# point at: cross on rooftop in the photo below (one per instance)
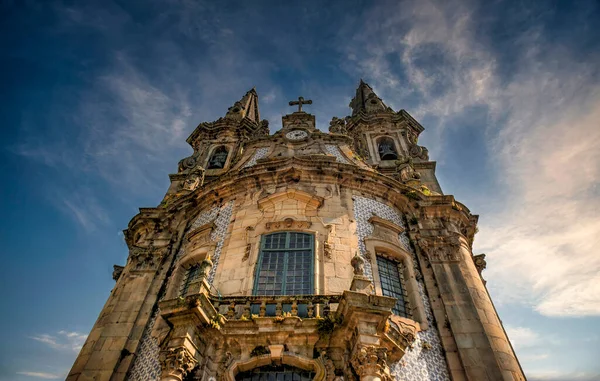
(300, 102)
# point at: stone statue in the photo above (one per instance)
(337, 126)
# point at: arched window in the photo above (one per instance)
(275, 372)
(285, 264)
(190, 276)
(387, 149)
(218, 158)
(392, 284)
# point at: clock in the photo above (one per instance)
(296, 135)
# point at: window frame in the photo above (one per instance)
(286, 250)
(398, 266)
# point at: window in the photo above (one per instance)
(275, 373)
(390, 276)
(285, 264)
(190, 276)
(218, 158)
(387, 149)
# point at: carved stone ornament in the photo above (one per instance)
(327, 250)
(405, 170)
(247, 252)
(480, 262)
(288, 223)
(386, 230)
(117, 271)
(145, 259)
(358, 264)
(419, 152)
(337, 126)
(441, 248)
(177, 362)
(187, 163)
(193, 180)
(329, 367)
(370, 362)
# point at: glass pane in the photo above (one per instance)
(389, 275)
(298, 272)
(270, 281)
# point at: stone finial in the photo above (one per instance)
(205, 267)
(359, 264)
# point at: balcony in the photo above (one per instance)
(248, 331)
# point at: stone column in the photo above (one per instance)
(481, 342)
(181, 354)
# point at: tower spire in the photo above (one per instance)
(247, 107)
(366, 100)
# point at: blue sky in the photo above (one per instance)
(98, 98)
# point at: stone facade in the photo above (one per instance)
(185, 306)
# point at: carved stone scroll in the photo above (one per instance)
(288, 223)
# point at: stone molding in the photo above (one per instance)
(386, 230)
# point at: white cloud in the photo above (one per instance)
(543, 244)
(48, 376)
(64, 340)
(522, 337)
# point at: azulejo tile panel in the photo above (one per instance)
(260, 153)
(334, 150)
(146, 366)
(418, 364)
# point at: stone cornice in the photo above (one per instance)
(312, 168)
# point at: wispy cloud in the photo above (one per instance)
(542, 138)
(48, 376)
(64, 340)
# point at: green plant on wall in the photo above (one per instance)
(260, 350)
(328, 324)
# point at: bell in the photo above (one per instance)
(218, 160)
(386, 152)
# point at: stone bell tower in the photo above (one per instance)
(301, 255)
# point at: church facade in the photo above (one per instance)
(301, 255)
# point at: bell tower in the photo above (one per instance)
(301, 255)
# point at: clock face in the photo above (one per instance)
(296, 135)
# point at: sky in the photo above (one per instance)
(98, 97)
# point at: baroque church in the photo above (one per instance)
(302, 255)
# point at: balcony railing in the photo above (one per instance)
(305, 306)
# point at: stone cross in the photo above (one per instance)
(300, 102)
